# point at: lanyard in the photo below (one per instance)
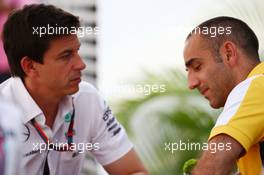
(69, 135)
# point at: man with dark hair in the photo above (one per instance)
(7, 6)
(225, 67)
(63, 116)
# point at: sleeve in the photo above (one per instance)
(111, 137)
(10, 137)
(243, 114)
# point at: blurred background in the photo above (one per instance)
(135, 60)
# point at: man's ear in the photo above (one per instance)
(29, 66)
(228, 51)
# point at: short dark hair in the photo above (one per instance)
(20, 40)
(241, 34)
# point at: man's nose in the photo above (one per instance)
(193, 82)
(80, 63)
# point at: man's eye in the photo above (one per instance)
(197, 67)
(66, 56)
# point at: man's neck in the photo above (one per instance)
(47, 101)
(244, 70)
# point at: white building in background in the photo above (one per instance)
(86, 10)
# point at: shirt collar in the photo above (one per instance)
(259, 69)
(30, 108)
(65, 109)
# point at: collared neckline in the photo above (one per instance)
(29, 107)
(65, 107)
(259, 69)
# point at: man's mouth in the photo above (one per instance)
(203, 91)
(76, 79)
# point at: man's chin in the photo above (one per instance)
(215, 105)
(73, 90)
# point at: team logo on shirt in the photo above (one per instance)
(67, 117)
(26, 133)
(111, 123)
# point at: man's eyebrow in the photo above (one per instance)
(190, 61)
(69, 50)
(65, 51)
